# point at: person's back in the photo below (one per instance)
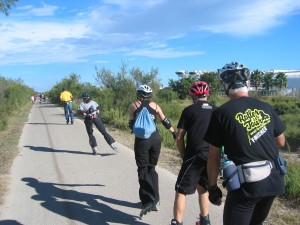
(192, 176)
(147, 150)
(249, 127)
(251, 133)
(66, 98)
(197, 118)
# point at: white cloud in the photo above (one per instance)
(44, 10)
(164, 53)
(144, 28)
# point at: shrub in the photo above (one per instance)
(292, 181)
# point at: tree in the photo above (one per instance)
(281, 80)
(6, 5)
(181, 87)
(140, 77)
(268, 81)
(256, 79)
(105, 78)
(212, 79)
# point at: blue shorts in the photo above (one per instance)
(193, 171)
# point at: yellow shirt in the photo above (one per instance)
(66, 96)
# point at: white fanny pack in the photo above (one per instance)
(254, 171)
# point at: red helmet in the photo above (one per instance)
(199, 89)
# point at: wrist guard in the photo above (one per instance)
(166, 122)
(215, 195)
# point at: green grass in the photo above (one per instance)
(292, 181)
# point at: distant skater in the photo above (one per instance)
(90, 109)
(66, 98)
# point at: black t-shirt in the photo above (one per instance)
(246, 127)
(195, 119)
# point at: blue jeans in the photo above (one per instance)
(68, 111)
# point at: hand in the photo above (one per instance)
(174, 135)
(215, 195)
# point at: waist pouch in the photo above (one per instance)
(280, 164)
(254, 171)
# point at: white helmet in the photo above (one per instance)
(144, 90)
(234, 73)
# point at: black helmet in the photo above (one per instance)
(234, 74)
(85, 95)
(64, 88)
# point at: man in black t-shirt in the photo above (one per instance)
(251, 132)
(193, 173)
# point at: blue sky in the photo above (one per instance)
(43, 42)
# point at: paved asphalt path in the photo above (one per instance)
(55, 179)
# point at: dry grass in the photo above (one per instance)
(9, 140)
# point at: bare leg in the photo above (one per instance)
(203, 201)
(179, 206)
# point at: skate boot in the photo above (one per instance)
(204, 220)
(175, 222)
(145, 209)
(114, 147)
(94, 150)
(155, 206)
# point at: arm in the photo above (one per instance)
(213, 164)
(165, 121)
(280, 140)
(131, 110)
(180, 142)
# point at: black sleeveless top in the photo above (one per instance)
(153, 113)
(150, 109)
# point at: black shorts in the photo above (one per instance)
(193, 171)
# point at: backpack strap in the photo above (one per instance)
(136, 105)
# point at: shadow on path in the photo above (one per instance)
(86, 208)
(10, 222)
(46, 149)
(48, 124)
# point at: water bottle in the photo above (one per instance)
(228, 169)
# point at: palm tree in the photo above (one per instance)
(281, 80)
(268, 81)
(256, 79)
